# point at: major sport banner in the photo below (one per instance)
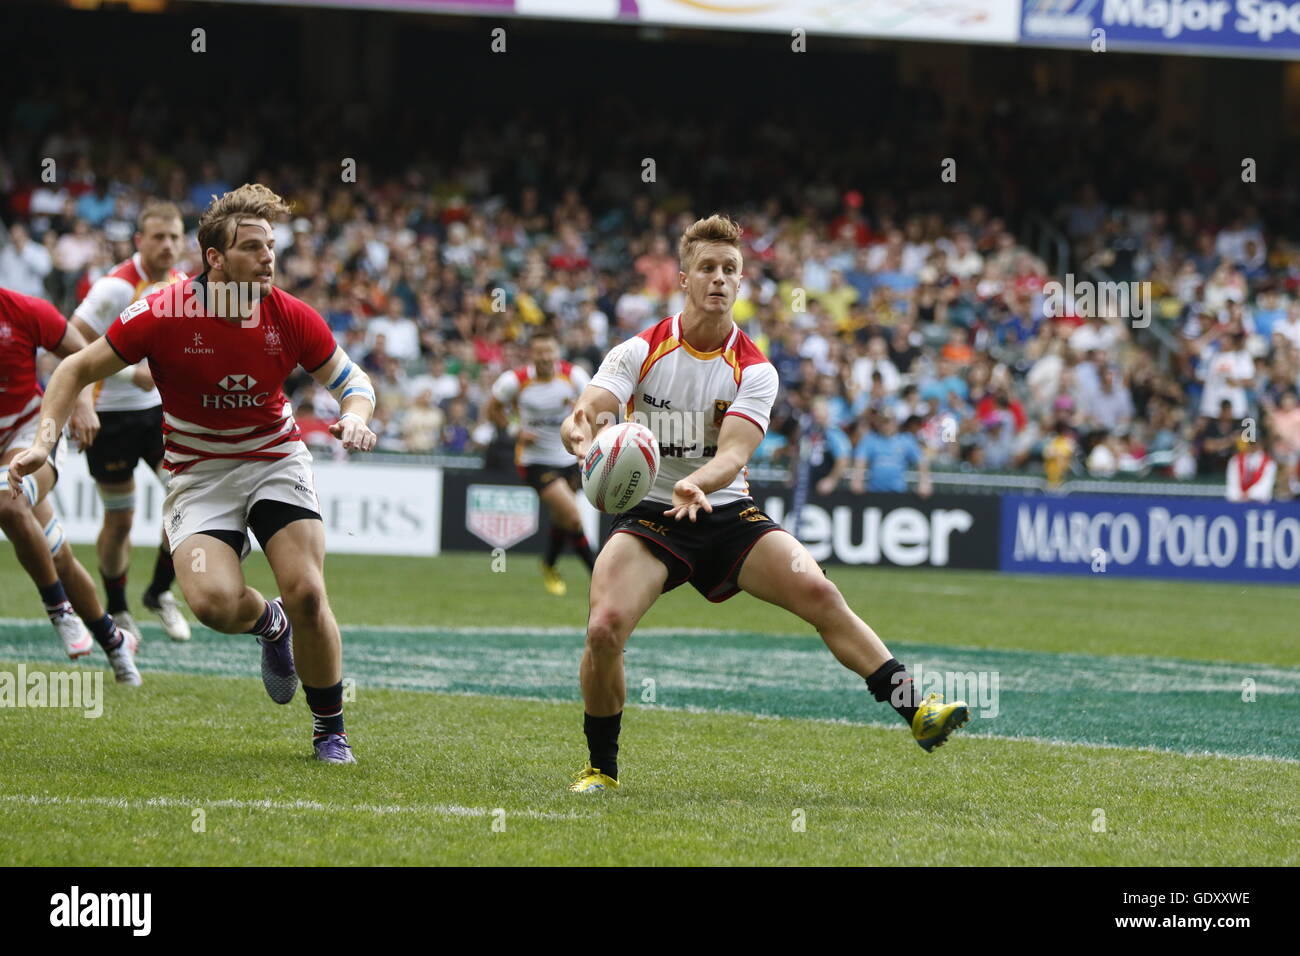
(1152, 537)
(966, 21)
(367, 508)
(1251, 28)
(942, 531)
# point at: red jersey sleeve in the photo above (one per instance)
(50, 325)
(315, 340)
(130, 332)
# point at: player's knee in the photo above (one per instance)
(117, 524)
(12, 510)
(215, 607)
(305, 601)
(607, 631)
(820, 598)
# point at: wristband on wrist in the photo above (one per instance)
(352, 415)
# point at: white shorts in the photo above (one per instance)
(219, 497)
(25, 437)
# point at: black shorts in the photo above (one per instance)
(539, 476)
(709, 553)
(124, 439)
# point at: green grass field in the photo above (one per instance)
(1118, 703)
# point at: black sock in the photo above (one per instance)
(53, 596)
(106, 633)
(553, 547)
(271, 624)
(326, 705)
(602, 742)
(164, 573)
(579, 541)
(115, 591)
(892, 683)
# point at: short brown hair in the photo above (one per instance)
(157, 209)
(717, 228)
(219, 221)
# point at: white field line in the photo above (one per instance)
(281, 806)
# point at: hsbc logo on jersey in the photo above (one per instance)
(238, 393)
(237, 383)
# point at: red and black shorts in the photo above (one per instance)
(708, 553)
(539, 476)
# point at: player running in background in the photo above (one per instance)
(699, 523)
(542, 392)
(130, 418)
(220, 346)
(28, 520)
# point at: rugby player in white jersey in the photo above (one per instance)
(235, 454)
(542, 392)
(707, 392)
(130, 418)
(28, 324)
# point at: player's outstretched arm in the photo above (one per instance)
(81, 367)
(737, 439)
(83, 424)
(351, 387)
(595, 409)
(138, 375)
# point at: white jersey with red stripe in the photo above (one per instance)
(222, 381)
(107, 299)
(683, 395)
(543, 404)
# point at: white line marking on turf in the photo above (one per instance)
(290, 806)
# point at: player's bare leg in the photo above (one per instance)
(66, 589)
(214, 587)
(566, 528)
(21, 528)
(297, 556)
(158, 596)
(626, 581)
(780, 571)
(77, 582)
(113, 548)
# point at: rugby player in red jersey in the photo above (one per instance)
(130, 418)
(719, 388)
(27, 519)
(220, 346)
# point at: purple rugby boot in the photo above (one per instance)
(333, 748)
(278, 676)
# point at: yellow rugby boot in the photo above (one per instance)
(592, 780)
(935, 720)
(554, 583)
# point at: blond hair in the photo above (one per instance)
(717, 228)
(219, 221)
(157, 209)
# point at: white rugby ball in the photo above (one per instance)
(620, 467)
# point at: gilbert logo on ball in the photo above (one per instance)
(620, 467)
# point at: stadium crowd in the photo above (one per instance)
(906, 335)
